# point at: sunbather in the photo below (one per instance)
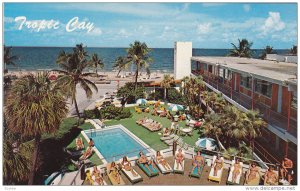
(87, 153)
(160, 159)
(218, 165)
(179, 157)
(79, 143)
(91, 142)
(88, 177)
(252, 173)
(98, 176)
(236, 169)
(198, 162)
(127, 166)
(114, 171)
(166, 132)
(143, 160)
(271, 177)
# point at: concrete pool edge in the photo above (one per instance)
(129, 133)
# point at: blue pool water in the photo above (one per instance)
(115, 143)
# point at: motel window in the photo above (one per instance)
(263, 87)
(204, 66)
(246, 81)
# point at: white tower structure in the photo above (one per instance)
(182, 59)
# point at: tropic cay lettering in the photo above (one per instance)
(38, 25)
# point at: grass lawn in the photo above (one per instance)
(151, 138)
(94, 158)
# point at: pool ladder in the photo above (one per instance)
(93, 132)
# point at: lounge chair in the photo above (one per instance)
(266, 184)
(129, 175)
(92, 180)
(195, 172)
(145, 169)
(219, 173)
(254, 182)
(179, 170)
(138, 110)
(238, 178)
(111, 178)
(162, 169)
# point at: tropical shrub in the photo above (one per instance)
(129, 95)
(175, 96)
(112, 112)
(92, 114)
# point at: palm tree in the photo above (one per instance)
(138, 54)
(166, 83)
(242, 50)
(95, 62)
(267, 50)
(16, 159)
(34, 107)
(120, 64)
(73, 65)
(9, 59)
(294, 50)
(254, 125)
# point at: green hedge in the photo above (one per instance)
(109, 112)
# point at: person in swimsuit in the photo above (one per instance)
(179, 157)
(166, 132)
(87, 153)
(114, 172)
(198, 162)
(79, 144)
(286, 168)
(271, 177)
(143, 160)
(236, 169)
(252, 173)
(91, 142)
(98, 176)
(160, 160)
(127, 166)
(218, 165)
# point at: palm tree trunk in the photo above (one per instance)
(119, 72)
(136, 78)
(37, 140)
(165, 94)
(96, 71)
(76, 107)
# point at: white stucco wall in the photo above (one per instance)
(282, 58)
(182, 59)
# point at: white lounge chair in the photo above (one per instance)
(180, 169)
(219, 173)
(129, 175)
(162, 169)
(238, 178)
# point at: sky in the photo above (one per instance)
(206, 25)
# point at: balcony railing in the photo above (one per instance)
(272, 117)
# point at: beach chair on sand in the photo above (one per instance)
(111, 178)
(177, 168)
(129, 175)
(162, 169)
(219, 173)
(195, 173)
(255, 181)
(238, 178)
(145, 169)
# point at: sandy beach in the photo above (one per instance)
(107, 81)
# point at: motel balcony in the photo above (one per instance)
(278, 121)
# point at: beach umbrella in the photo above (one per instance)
(175, 107)
(141, 101)
(206, 143)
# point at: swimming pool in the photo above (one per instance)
(115, 142)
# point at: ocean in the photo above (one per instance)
(43, 58)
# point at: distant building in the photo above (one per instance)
(270, 86)
(282, 58)
(182, 59)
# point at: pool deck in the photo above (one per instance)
(176, 179)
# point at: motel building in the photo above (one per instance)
(251, 84)
(269, 86)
